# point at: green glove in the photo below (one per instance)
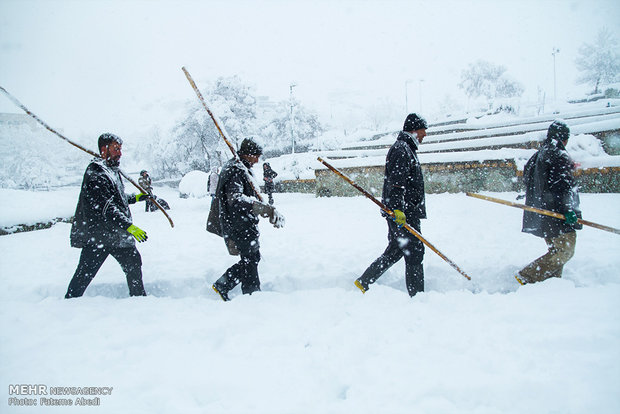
(143, 197)
(138, 233)
(399, 218)
(571, 217)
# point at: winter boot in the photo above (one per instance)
(361, 286)
(220, 291)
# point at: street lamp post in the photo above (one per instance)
(407, 95)
(421, 80)
(554, 52)
(292, 133)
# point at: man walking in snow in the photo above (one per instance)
(239, 212)
(147, 184)
(268, 176)
(403, 193)
(102, 225)
(212, 182)
(550, 185)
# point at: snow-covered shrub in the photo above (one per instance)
(194, 184)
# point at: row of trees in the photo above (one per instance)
(195, 144)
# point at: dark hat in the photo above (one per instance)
(414, 122)
(142, 172)
(107, 138)
(558, 130)
(250, 147)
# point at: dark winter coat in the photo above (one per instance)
(102, 214)
(268, 176)
(236, 197)
(550, 185)
(146, 184)
(403, 184)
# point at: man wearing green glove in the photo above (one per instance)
(403, 193)
(550, 185)
(102, 225)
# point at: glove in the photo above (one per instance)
(399, 218)
(571, 217)
(262, 209)
(266, 210)
(138, 233)
(277, 219)
(143, 197)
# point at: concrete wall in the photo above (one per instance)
(500, 175)
(295, 186)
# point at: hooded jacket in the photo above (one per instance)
(550, 185)
(102, 215)
(403, 183)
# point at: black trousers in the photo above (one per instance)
(92, 258)
(245, 271)
(401, 243)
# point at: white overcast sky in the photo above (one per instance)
(91, 66)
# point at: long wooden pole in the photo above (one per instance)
(391, 214)
(94, 154)
(543, 212)
(217, 125)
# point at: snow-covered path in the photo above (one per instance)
(311, 342)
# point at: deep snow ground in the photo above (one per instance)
(311, 342)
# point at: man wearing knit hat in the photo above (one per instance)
(238, 215)
(550, 185)
(403, 193)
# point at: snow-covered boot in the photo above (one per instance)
(360, 286)
(220, 291)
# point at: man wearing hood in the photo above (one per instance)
(550, 185)
(102, 225)
(403, 193)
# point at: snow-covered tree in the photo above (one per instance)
(195, 143)
(276, 128)
(599, 63)
(33, 158)
(483, 78)
(234, 104)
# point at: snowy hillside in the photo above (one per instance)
(311, 342)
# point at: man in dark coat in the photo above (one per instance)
(147, 184)
(102, 225)
(550, 185)
(403, 193)
(239, 210)
(268, 176)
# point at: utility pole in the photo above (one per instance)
(421, 80)
(407, 95)
(554, 52)
(292, 132)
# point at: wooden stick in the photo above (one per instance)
(217, 125)
(94, 154)
(391, 214)
(543, 212)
